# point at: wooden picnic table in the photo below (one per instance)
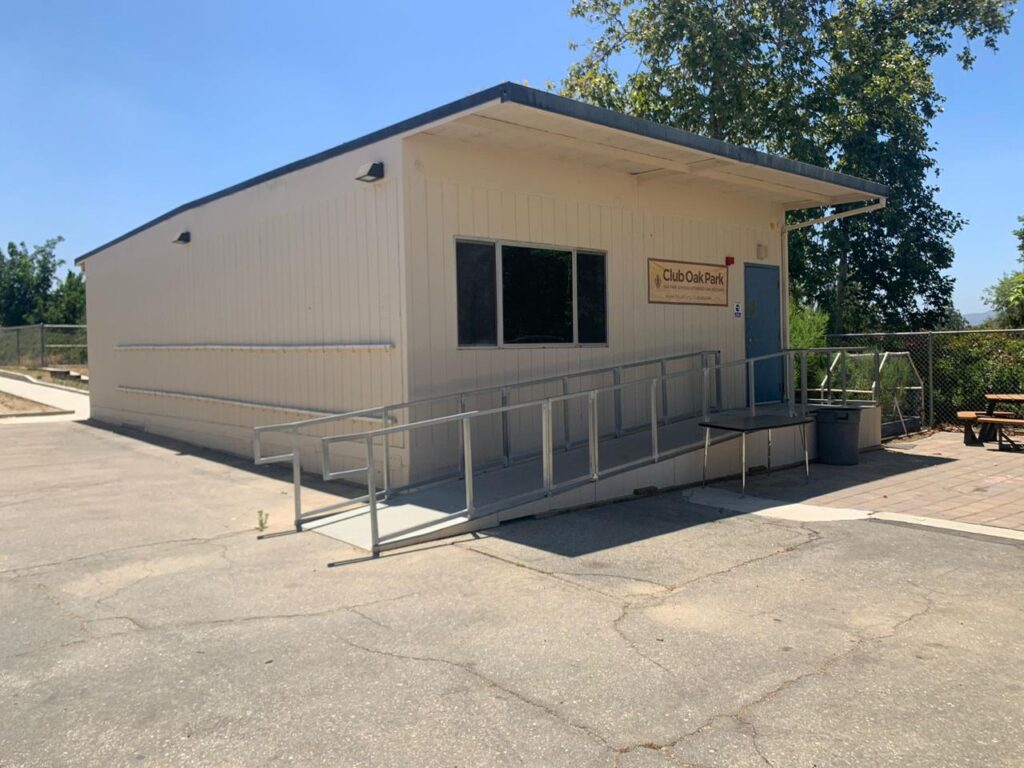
(987, 432)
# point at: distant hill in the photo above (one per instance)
(977, 318)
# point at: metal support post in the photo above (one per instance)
(876, 381)
(547, 457)
(664, 391)
(617, 399)
(371, 490)
(654, 419)
(467, 457)
(387, 455)
(566, 434)
(42, 345)
(844, 373)
(593, 435)
(506, 440)
(803, 383)
(931, 379)
(718, 379)
(751, 390)
(297, 481)
(707, 447)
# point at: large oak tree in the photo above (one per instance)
(845, 84)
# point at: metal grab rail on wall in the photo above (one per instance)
(594, 472)
(386, 414)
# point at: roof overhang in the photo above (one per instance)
(517, 117)
(543, 123)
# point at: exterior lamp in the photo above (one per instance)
(370, 172)
(184, 238)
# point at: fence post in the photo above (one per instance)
(17, 346)
(931, 379)
(42, 345)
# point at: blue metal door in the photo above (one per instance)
(763, 325)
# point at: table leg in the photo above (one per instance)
(769, 452)
(743, 460)
(707, 445)
(987, 432)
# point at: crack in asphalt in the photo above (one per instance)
(23, 570)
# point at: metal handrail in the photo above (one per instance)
(492, 389)
(593, 436)
(384, 412)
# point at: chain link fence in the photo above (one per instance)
(43, 346)
(957, 368)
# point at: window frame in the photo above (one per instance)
(500, 294)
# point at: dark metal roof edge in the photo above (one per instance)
(438, 113)
(550, 102)
(579, 110)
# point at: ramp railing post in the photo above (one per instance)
(718, 379)
(467, 455)
(592, 435)
(371, 490)
(462, 409)
(790, 367)
(547, 459)
(829, 362)
(385, 415)
(297, 481)
(705, 393)
(617, 399)
(566, 433)
(506, 440)
(843, 372)
(876, 381)
(750, 387)
(664, 390)
(654, 419)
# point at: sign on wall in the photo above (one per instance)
(683, 282)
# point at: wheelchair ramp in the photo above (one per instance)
(512, 492)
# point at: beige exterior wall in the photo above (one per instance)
(312, 257)
(455, 189)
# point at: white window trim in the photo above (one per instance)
(500, 291)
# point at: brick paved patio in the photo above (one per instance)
(934, 476)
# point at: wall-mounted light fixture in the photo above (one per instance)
(370, 172)
(184, 238)
(762, 252)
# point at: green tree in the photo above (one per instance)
(29, 290)
(846, 84)
(66, 304)
(1007, 296)
(808, 326)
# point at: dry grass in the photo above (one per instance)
(18, 406)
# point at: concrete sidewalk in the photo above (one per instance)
(64, 399)
(143, 624)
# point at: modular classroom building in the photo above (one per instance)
(509, 236)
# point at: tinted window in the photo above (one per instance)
(536, 295)
(477, 294)
(591, 303)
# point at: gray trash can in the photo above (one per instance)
(838, 435)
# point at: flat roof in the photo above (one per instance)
(553, 104)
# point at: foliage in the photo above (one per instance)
(1007, 296)
(29, 290)
(845, 84)
(808, 325)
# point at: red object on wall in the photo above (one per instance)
(729, 261)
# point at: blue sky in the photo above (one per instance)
(115, 112)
